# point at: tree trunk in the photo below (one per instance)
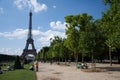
(65, 61)
(69, 59)
(76, 58)
(92, 59)
(93, 65)
(82, 58)
(110, 57)
(58, 60)
(119, 59)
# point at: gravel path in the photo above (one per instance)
(57, 72)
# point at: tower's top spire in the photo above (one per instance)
(30, 13)
(30, 25)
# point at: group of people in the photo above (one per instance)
(1, 70)
(8, 68)
(34, 66)
(82, 65)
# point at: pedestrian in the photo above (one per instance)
(36, 65)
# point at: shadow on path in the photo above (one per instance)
(110, 68)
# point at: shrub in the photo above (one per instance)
(17, 64)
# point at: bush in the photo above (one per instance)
(17, 64)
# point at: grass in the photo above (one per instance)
(20, 74)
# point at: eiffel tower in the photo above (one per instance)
(29, 41)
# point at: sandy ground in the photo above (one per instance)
(57, 72)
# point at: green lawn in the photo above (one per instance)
(21, 74)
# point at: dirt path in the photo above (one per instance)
(56, 72)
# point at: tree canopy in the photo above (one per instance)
(88, 37)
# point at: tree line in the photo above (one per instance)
(6, 58)
(87, 38)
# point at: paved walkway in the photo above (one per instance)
(56, 72)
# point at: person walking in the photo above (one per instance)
(36, 65)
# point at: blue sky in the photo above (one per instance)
(48, 20)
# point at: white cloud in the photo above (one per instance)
(10, 51)
(1, 10)
(18, 33)
(31, 4)
(45, 36)
(57, 25)
(42, 37)
(54, 6)
(22, 33)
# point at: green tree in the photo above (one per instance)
(75, 31)
(57, 41)
(43, 53)
(111, 23)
